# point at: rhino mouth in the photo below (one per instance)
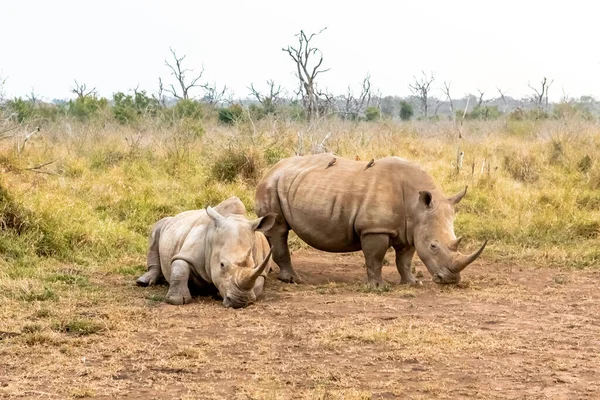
(445, 278)
(237, 301)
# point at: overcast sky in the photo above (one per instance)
(116, 45)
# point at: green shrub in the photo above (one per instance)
(372, 113)
(188, 109)
(87, 107)
(481, 113)
(231, 114)
(24, 109)
(406, 111)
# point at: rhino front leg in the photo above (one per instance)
(404, 256)
(281, 256)
(179, 291)
(374, 247)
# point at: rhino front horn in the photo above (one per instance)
(249, 280)
(462, 262)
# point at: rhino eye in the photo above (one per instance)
(433, 246)
(222, 265)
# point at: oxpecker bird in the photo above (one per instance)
(332, 162)
(370, 164)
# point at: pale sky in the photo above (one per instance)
(117, 45)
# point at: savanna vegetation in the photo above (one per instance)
(82, 182)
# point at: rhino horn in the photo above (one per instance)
(453, 245)
(462, 261)
(248, 280)
(214, 214)
(458, 196)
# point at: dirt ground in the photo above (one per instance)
(508, 331)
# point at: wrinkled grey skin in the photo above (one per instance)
(349, 207)
(219, 247)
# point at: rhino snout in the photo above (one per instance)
(444, 278)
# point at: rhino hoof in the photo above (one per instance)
(178, 300)
(286, 277)
(141, 281)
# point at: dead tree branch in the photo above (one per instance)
(302, 55)
(446, 92)
(354, 107)
(420, 88)
(540, 97)
(503, 97)
(81, 90)
(179, 73)
(270, 100)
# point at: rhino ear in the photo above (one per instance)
(425, 198)
(263, 224)
(214, 215)
(458, 196)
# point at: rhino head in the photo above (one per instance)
(434, 238)
(232, 266)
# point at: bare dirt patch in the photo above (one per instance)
(508, 331)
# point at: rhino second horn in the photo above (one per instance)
(249, 280)
(462, 262)
(453, 245)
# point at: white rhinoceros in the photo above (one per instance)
(219, 247)
(340, 205)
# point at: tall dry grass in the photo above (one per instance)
(534, 186)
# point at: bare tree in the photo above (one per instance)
(180, 75)
(420, 88)
(356, 106)
(446, 92)
(213, 95)
(302, 55)
(540, 97)
(480, 98)
(159, 97)
(503, 98)
(82, 91)
(33, 97)
(270, 100)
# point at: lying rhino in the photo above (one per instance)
(339, 205)
(217, 247)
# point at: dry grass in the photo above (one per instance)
(72, 323)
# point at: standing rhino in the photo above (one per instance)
(350, 205)
(217, 247)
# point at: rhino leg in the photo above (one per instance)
(404, 256)
(179, 291)
(374, 247)
(154, 273)
(281, 256)
(150, 278)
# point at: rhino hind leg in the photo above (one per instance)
(179, 291)
(404, 256)
(154, 273)
(281, 256)
(151, 277)
(374, 247)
